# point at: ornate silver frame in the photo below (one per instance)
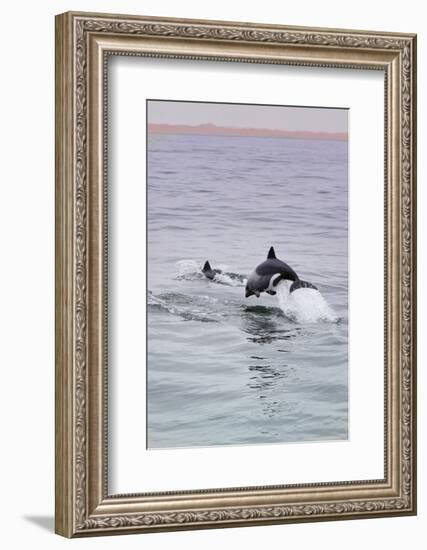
(83, 42)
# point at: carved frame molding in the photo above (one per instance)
(83, 43)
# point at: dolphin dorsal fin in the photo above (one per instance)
(271, 254)
(207, 266)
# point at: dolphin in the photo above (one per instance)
(268, 275)
(209, 272)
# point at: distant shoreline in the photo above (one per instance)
(213, 130)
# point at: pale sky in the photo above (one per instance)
(311, 119)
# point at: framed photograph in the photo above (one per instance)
(235, 274)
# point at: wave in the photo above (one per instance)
(305, 305)
(198, 308)
(189, 270)
(265, 323)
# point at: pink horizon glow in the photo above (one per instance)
(213, 129)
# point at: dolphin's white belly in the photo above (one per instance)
(273, 279)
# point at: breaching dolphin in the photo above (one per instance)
(267, 276)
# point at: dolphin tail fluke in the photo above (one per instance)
(301, 284)
(207, 266)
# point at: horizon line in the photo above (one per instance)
(213, 129)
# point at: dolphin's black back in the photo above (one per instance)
(260, 280)
(270, 267)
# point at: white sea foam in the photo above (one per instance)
(190, 270)
(225, 279)
(305, 305)
(187, 267)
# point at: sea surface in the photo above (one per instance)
(228, 370)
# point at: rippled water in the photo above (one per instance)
(224, 369)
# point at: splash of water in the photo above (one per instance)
(190, 270)
(229, 279)
(305, 305)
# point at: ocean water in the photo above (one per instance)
(228, 370)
